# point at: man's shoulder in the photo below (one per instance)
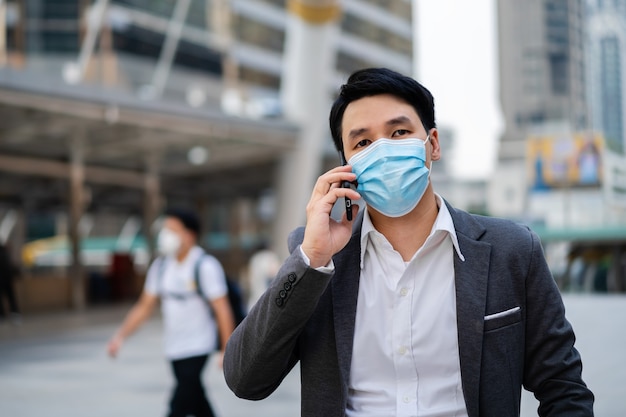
(491, 222)
(491, 227)
(203, 257)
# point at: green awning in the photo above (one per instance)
(605, 234)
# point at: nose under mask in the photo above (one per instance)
(392, 176)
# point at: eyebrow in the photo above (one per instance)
(398, 120)
(392, 122)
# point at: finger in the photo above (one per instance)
(340, 168)
(326, 202)
(337, 174)
(332, 179)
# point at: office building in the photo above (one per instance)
(542, 86)
(560, 89)
(607, 90)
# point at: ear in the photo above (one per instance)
(435, 149)
(191, 239)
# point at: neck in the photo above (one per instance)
(182, 253)
(408, 233)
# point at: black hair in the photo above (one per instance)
(187, 217)
(375, 81)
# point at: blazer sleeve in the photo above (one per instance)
(553, 366)
(263, 348)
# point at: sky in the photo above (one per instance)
(457, 62)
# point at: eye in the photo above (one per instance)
(400, 132)
(362, 143)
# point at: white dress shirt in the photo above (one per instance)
(405, 359)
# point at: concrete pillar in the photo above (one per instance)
(3, 31)
(309, 63)
(152, 200)
(235, 254)
(615, 276)
(414, 24)
(77, 206)
(108, 60)
(220, 22)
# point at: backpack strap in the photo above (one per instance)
(160, 265)
(196, 276)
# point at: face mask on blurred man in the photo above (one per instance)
(168, 242)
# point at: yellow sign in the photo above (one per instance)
(315, 12)
(565, 160)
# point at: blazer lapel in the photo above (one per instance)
(471, 279)
(345, 291)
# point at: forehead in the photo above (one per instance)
(376, 109)
(173, 223)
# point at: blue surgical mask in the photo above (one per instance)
(392, 175)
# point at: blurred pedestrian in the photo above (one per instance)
(414, 308)
(8, 272)
(193, 292)
(262, 269)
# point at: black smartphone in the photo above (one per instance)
(346, 184)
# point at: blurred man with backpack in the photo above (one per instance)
(197, 313)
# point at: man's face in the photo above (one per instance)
(383, 116)
(176, 226)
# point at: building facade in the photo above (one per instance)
(112, 109)
(542, 86)
(560, 162)
(241, 40)
(607, 90)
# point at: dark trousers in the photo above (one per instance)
(189, 398)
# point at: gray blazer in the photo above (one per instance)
(511, 321)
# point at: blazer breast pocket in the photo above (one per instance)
(502, 319)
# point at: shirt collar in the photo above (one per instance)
(443, 222)
(194, 253)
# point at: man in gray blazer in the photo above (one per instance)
(414, 308)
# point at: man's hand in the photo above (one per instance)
(324, 236)
(219, 359)
(114, 346)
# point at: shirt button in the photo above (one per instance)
(406, 399)
(404, 292)
(402, 350)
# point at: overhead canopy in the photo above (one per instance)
(41, 120)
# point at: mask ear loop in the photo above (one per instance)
(430, 168)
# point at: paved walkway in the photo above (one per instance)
(56, 365)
